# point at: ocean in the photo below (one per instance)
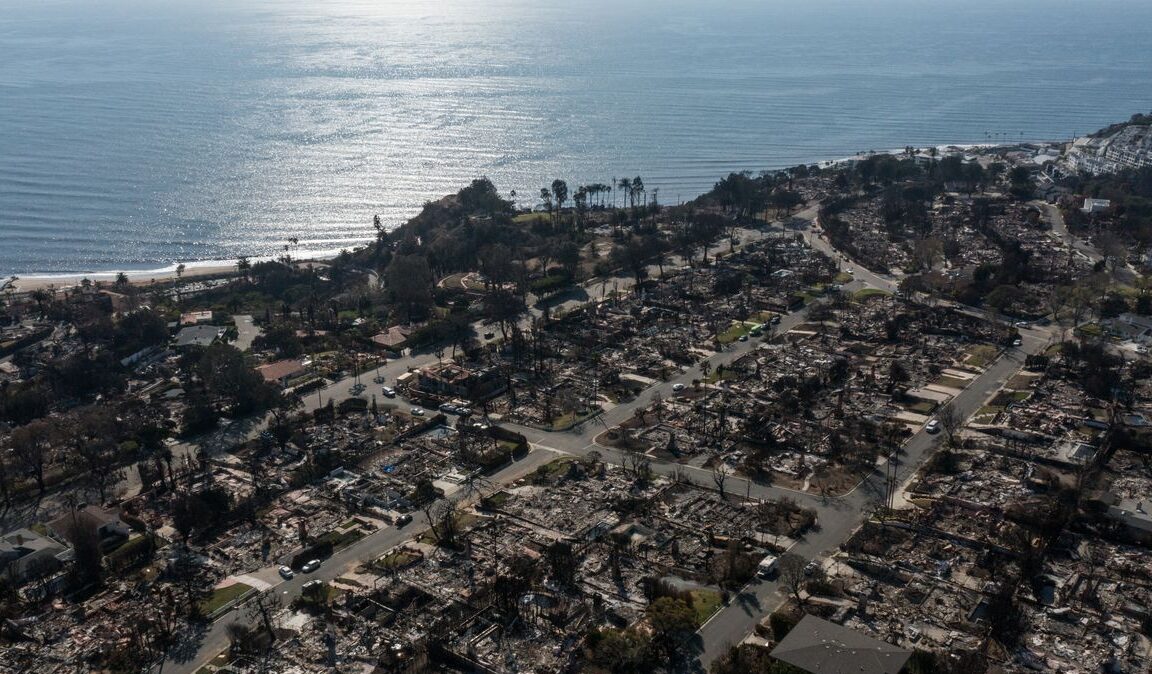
(135, 135)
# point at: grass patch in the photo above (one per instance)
(464, 521)
(981, 354)
(550, 470)
(222, 597)
(530, 218)
(733, 333)
(570, 419)
(340, 538)
(397, 559)
(497, 500)
(1090, 329)
(1021, 396)
(844, 277)
(865, 293)
(705, 603)
(922, 407)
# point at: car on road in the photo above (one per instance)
(1017, 342)
(743, 338)
(932, 426)
(417, 412)
(403, 520)
(811, 567)
(775, 320)
(448, 408)
(388, 392)
(308, 587)
(286, 573)
(310, 566)
(677, 387)
(767, 566)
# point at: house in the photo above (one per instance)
(198, 335)
(821, 647)
(103, 523)
(282, 372)
(25, 554)
(1096, 205)
(394, 338)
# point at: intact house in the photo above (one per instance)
(25, 555)
(821, 647)
(105, 524)
(284, 372)
(198, 335)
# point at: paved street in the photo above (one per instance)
(837, 517)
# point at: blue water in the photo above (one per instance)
(136, 134)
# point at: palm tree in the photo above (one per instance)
(560, 191)
(121, 280)
(626, 186)
(244, 265)
(637, 189)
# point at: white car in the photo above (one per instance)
(677, 387)
(286, 573)
(417, 412)
(767, 566)
(310, 566)
(388, 392)
(932, 426)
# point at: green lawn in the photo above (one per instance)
(397, 559)
(222, 596)
(705, 603)
(529, 218)
(734, 332)
(981, 354)
(865, 293)
(922, 407)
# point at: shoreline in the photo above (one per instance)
(199, 268)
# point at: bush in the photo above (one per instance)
(781, 625)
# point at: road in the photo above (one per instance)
(188, 658)
(838, 517)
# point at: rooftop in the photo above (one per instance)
(821, 647)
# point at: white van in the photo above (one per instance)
(767, 566)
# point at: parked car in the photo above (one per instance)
(388, 392)
(775, 320)
(448, 408)
(677, 387)
(286, 573)
(811, 567)
(417, 412)
(310, 566)
(743, 338)
(403, 520)
(767, 566)
(489, 335)
(933, 426)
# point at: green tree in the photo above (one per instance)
(673, 621)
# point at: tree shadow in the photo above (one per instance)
(187, 645)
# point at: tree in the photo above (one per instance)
(442, 521)
(951, 421)
(560, 192)
(87, 557)
(720, 474)
(410, 281)
(791, 573)
(244, 266)
(32, 444)
(673, 623)
(563, 563)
